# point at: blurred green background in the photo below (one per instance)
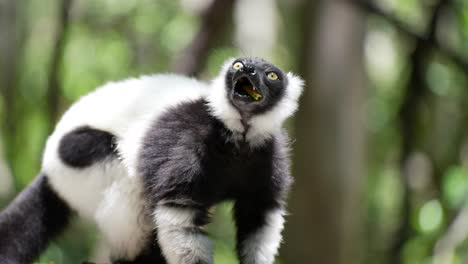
(380, 152)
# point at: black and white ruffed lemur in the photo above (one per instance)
(146, 158)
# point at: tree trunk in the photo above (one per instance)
(192, 60)
(54, 90)
(8, 69)
(329, 152)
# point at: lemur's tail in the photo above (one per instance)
(30, 222)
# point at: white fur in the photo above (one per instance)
(262, 127)
(126, 234)
(219, 103)
(105, 193)
(93, 193)
(262, 246)
(178, 238)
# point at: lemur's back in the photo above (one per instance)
(115, 106)
(106, 125)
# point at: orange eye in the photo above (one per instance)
(237, 66)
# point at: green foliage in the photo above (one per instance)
(112, 40)
(455, 186)
(90, 61)
(430, 217)
(75, 246)
(223, 231)
(416, 250)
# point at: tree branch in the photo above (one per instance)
(8, 59)
(214, 20)
(408, 116)
(455, 235)
(13, 35)
(432, 42)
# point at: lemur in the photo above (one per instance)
(146, 158)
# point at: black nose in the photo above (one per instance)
(249, 69)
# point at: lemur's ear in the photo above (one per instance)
(295, 86)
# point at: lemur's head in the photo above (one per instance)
(253, 96)
(254, 85)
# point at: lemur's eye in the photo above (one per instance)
(272, 76)
(237, 66)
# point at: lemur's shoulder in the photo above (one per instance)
(185, 125)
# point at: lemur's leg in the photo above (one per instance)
(258, 231)
(27, 225)
(180, 234)
(151, 255)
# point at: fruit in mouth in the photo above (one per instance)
(244, 88)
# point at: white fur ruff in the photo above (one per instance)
(262, 246)
(263, 126)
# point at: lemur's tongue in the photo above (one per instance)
(248, 89)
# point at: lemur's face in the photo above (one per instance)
(254, 85)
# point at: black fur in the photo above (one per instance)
(85, 146)
(186, 158)
(151, 255)
(27, 225)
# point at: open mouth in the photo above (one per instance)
(244, 88)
